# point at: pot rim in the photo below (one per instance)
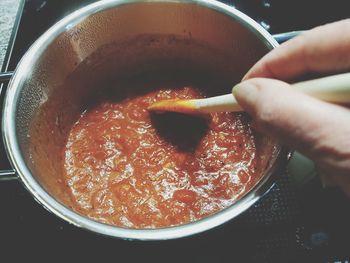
(51, 204)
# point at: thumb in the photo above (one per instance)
(318, 129)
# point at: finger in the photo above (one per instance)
(318, 129)
(320, 50)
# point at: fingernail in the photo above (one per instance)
(245, 92)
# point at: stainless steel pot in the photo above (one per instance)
(107, 40)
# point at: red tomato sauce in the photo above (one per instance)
(127, 167)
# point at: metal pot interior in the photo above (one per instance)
(132, 46)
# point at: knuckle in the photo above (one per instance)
(266, 106)
(303, 45)
(266, 113)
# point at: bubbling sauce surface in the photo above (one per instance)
(127, 167)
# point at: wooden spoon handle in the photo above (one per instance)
(334, 88)
(218, 104)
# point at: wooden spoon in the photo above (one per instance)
(335, 89)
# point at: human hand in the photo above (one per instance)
(318, 129)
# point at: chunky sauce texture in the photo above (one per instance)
(127, 167)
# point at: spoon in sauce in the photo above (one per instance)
(335, 89)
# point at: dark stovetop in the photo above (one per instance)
(292, 223)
